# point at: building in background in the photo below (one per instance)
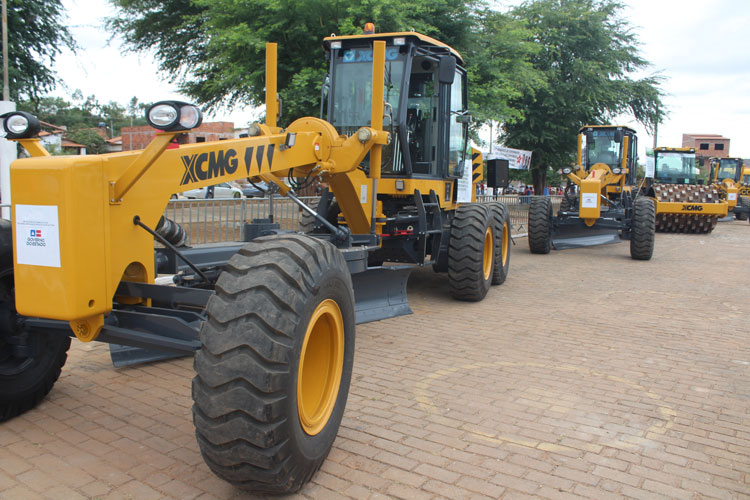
(139, 137)
(706, 146)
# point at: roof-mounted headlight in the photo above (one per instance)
(172, 116)
(20, 125)
(567, 170)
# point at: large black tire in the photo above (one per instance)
(273, 333)
(25, 380)
(643, 229)
(501, 230)
(540, 225)
(743, 202)
(566, 205)
(471, 252)
(306, 222)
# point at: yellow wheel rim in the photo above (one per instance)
(489, 253)
(506, 245)
(321, 363)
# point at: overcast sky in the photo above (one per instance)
(700, 47)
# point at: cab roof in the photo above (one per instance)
(679, 150)
(606, 126)
(413, 35)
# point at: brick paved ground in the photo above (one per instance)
(587, 375)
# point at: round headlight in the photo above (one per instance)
(20, 125)
(17, 124)
(162, 116)
(190, 116)
(172, 116)
(364, 135)
(617, 171)
(567, 170)
(253, 130)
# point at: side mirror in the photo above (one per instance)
(446, 70)
(619, 135)
(464, 118)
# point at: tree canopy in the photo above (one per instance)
(36, 35)
(215, 49)
(587, 56)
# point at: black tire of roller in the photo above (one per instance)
(466, 279)
(25, 381)
(500, 225)
(643, 229)
(245, 389)
(540, 225)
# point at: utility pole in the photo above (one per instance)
(6, 89)
(656, 126)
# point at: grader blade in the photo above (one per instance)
(578, 237)
(380, 293)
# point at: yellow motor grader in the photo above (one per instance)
(599, 205)
(682, 204)
(272, 319)
(726, 175)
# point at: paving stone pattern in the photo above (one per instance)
(587, 375)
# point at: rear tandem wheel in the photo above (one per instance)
(501, 228)
(273, 373)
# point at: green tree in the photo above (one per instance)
(95, 144)
(215, 49)
(587, 55)
(36, 35)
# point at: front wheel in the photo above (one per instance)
(642, 232)
(471, 252)
(273, 373)
(30, 362)
(540, 225)
(744, 203)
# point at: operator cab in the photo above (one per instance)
(425, 95)
(675, 166)
(605, 144)
(726, 168)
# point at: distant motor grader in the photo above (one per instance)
(273, 318)
(726, 175)
(600, 204)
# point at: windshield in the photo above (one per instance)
(351, 93)
(727, 170)
(675, 168)
(602, 148)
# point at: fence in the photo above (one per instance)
(214, 221)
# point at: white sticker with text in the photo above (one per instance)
(37, 235)
(588, 200)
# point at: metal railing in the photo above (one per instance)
(215, 221)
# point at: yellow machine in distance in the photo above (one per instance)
(598, 205)
(726, 176)
(272, 318)
(682, 204)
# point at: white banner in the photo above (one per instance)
(517, 158)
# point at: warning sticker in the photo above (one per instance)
(588, 200)
(731, 196)
(465, 184)
(37, 235)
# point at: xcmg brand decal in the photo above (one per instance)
(203, 166)
(692, 208)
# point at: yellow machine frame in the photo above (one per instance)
(99, 243)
